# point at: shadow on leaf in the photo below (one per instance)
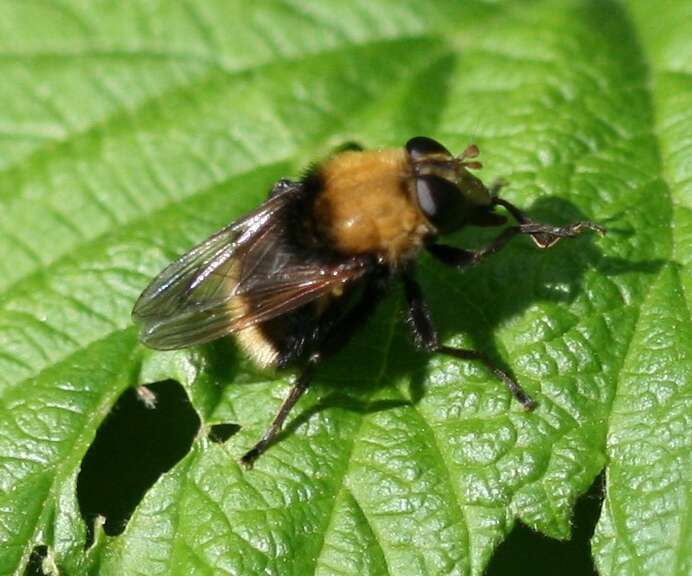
(473, 302)
(528, 552)
(146, 433)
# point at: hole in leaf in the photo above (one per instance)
(35, 565)
(528, 552)
(146, 433)
(219, 433)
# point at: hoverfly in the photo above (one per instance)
(294, 279)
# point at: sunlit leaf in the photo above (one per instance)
(129, 131)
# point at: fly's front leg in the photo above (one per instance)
(427, 339)
(460, 258)
(543, 235)
(546, 235)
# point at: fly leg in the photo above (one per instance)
(546, 235)
(460, 258)
(427, 339)
(331, 336)
(299, 388)
(543, 235)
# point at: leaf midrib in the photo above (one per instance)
(349, 459)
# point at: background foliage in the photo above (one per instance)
(131, 130)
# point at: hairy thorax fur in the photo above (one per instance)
(365, 205)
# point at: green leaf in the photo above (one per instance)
(646, 526)
(130, 131)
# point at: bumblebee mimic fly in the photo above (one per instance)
(294, 279)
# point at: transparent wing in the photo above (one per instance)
(199, 273)
(247, 273)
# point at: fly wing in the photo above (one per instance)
(244, 274)
(199, 273)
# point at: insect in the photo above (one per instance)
(295, 278)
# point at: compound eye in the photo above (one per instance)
(422, 147)
(441, 201)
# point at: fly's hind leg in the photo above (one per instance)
(330, 338)
(299, 387)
